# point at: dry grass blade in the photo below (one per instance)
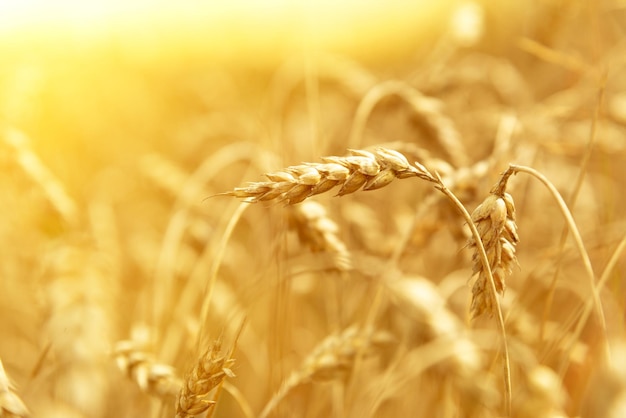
(363, 169)
(210, 371)
(11, 405)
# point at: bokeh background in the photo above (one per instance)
(120, 120)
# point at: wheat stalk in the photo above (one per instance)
(571, 224)
(363, 169)
(11, 405)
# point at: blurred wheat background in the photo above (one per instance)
(129, 289)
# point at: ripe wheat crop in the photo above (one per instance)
(430, 229)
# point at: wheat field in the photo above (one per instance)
(419, 215)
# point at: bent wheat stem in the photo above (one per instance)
(513, 169)
(492, 284)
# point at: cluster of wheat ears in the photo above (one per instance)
(441, 240)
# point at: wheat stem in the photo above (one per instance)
(492, 285)
(572, 201)
(513, 169)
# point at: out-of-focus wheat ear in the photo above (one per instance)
(11, 405)
(318, 231)
(367, 170)
(332, 359)
(78, 292)
(429, 111)
(541, 395)
(139, 366)
(209, 372)
(495, 221)
(606, 392)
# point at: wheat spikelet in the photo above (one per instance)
(495, 221)
(362, 170)
(319, 232)
(210, 371)
(11, 405)
(151, 377)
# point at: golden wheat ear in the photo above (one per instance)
(495, 221)
(361, 170)
(208, 374)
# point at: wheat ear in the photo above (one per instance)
(362, 169)
(11, 405)
(209, 373)
(317, 230)
(495, 221)
(429, 110)
(331, 359)
(151, 377)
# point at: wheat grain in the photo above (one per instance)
(363, 169)
(11, 405)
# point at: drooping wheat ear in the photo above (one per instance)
(317, 230)
(495, 221)
(151, 377)
(333, 358)
(11, 405)
(363, 169)
(209, 373)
